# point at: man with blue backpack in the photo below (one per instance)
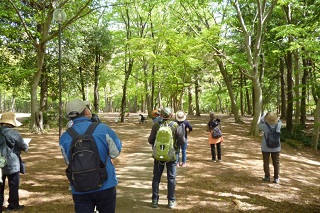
(165, 137)
(88, 149)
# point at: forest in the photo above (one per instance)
(235, 57)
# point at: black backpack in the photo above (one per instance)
(86, 171)
(273, 137)
(183, 129)
(216, 131)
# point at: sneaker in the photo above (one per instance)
(154, 204)
(178, 164)
(15, 209)
(184, 165)
(219, 160)
(214, 160)
(267, 179)
(171, 204)
(276, 180)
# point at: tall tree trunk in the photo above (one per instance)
(303, 109)
(190, 109)
(197, 91)
(283, 110)
(124, 90)
(289, 124)
(297, 86)
(96, 83)
(34, 90)
(247, 97)
(228, 82)
(254, 130)
(316, 129)
(241, 95)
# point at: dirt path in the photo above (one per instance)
(233, 185)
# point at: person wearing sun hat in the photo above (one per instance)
(185, 125)
(11, 170)
(272, 119)
(109, 146)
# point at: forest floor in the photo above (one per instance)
(233, 185)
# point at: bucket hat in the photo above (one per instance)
(180, 116)
(9, 118)
(271, 118)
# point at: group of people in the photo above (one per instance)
(103, 199)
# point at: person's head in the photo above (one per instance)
(78, 108)
(166, 113)
(155, 113)
(271, 118)
(9, 119)
(211, 115)
(180, 116)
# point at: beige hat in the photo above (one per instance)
(180, 116)
(271, 118)
(9, 118)
(75, 107)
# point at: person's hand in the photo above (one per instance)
(218, 120)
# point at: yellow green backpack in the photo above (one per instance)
(163, 149)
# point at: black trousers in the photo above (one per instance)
(14, 181)
(213, 151)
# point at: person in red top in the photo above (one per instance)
(214, 142)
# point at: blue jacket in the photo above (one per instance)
(100, 134)
(264, 128)
(16, 144)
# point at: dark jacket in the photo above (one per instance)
(177, 133)
(15, 143)
(187, 126)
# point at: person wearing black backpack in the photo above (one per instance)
(269, 123)
(181, 120)
(108, 146)
(215, 140)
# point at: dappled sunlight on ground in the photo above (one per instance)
(233, 185)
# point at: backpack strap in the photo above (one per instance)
(73, 133)
(91, 128)
(270, 129)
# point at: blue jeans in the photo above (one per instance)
(158, 168)
(105, 200)
(183, 149)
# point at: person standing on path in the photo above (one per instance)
(109, 146)
(181, 120)
(11, 170)
(214, 141)
(275, 123)
(158, 167)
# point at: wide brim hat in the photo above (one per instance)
(180, 116)
(9, 118)
(75, 107)
(271, 118)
